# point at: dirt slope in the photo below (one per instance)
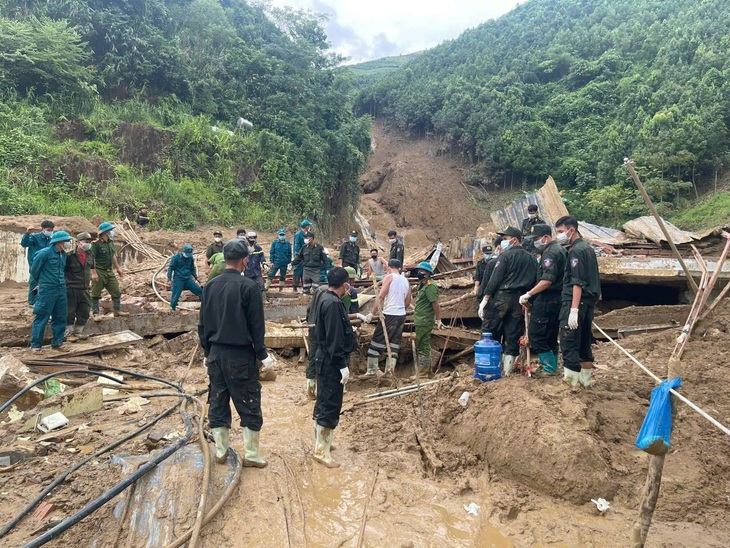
(408, 187)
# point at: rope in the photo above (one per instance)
(679, 396)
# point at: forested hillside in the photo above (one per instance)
(367, 72)
(570, 88)
(108, 105)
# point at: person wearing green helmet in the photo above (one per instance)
(298, 270)
(34, 242)
(51, 302)
(216, 265)
(280, 257)
(182, 274)
(349, 299)
(102, 275)
(426, 316)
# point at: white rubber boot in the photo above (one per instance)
(312, 389)
(585, 377)
(508, 365)
(220, 435)
(323, 446)
(268, 284)
(372, 366)
(251, 458)
(572, 378)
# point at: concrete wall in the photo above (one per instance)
(13, 258)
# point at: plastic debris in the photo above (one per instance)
(464, 399)
(601, 504)
(473, 508)
(52, 422)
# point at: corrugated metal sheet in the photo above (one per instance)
(595, 233)
(547, 199)
(647, 227)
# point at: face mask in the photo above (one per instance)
(85, 247)
(563, 238)
(420, 275)
(353, 239)
(241, 236)
(373, 256)
(504, 244)
(487, 256)
(306, 241)
(67, 246)
(282, 238)
(532, 215)
(252, 243)
(48, 233)
(392, 240)
(539, 244)
(111, 234)
(347, 287)
(188, 255)
(216, 240)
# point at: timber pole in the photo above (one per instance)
(690, 280)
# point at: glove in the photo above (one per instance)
(267, 363)
(440, 324)
(573, 319)
(369, 318)
(362, 317)
(205, 363)
(524, 299)
(345, 372)
(482, 308)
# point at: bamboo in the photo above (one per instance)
(660, 222)
(381, 317)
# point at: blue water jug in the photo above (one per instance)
(487, 359)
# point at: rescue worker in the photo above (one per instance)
(48, 271)
(328, 265)
(34, 242)
(532, 219)
(102, 273)
(376, 265)
(335, 343)
(78, 280)
(426, 315)
(280, 257)
(256, 260)
(311, 257)
(311, 371)
(395, 294)
(299, 237)
(180, 275)
(231, 331)
(481, 267)
(544, 299)
(216, 265)
(213, 248)
(581, 292)
(143, 218)
(514, 273)
(491, 315)
(349, 299)
(350, 252)
(241, 233)
(397, 249)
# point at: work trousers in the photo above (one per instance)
(32, 283)
(50, 303)
(79, 306)
(312, 358)
(493, 322)
(508, 314)
(575, 344)
(423, 344)
(281, 270)
(258, 278)
(179, 284)
(394, 326)
(107, 280)
(310, 278)
(329, 392)
(545, 322)
(234, 375)
(297, 274)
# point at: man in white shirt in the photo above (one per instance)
(395, 294)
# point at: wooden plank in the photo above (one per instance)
(100, 343)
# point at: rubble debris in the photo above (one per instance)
(78, 401)
(14, 376)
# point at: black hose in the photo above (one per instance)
(118, 488)
(7, 404)
(60, 479)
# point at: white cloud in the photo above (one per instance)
(364, 30)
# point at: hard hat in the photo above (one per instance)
(425, 265)
(217, 233)
(306, 223)
(105, 227)
(351, 272)
(83, 236)
(251, 234)
(282, 232)
(187, 248)
(60, 236)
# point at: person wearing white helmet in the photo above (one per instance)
(51, 301)
(256, 260)
(328, 265)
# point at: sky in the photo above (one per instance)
(369, 29)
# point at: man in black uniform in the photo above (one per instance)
(514, 273)
(545, 298)
(397, 249)
(231, 331)
(581, 291)
(350, 252)
(491, 316)
(335, 341)
(532, 219)
(215, 247)
(481, 267)
(311, 371)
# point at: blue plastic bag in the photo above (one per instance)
(657, 428)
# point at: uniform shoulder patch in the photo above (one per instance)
(547, 262)
(574, 262)
(496, 264)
